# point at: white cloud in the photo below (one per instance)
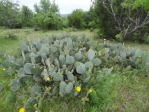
(65, 6)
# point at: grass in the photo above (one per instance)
(23, 34)
(115, 93)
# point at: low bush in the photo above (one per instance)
(10, 35)
(48, 21)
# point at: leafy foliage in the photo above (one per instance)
(76, 19)
(46, 16)
(26, 16)
(122, 17)
(46, 6)
(9, 14)
(48, 21)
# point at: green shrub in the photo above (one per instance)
(146, 39)
(91, 29)
(119, 37)
(11, 35)
(92, 24)
(105, 91)
(48, 21)
(76, 19)
(2, 27)
(36, 28)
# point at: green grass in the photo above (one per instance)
(22, 34)
(11, 46)
(115, 93)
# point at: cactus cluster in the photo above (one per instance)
(61, 63)
(64, 65)
(127, 58)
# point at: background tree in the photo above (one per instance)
(9, 14)
(26, 16)
(47, 16)
(76, 19)
(46, 6)
(90, 18)
(48, 21)
(124, 16)
(36, 8)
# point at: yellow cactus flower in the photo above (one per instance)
(4, 69)
(22, 109)
(90, 90)
(78, 88)
(48, 79)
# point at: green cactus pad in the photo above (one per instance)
(96, 61)
(15, 85)
(27, 68)
(91, 54)
(69, 60)
(80, 68)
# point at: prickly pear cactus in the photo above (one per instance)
(59, 63)
(64, 65)
(118, 55)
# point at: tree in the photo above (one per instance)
(48, 21)
(76, 19)
(46, 16)
(37, 8)
(46, 6)
(26, 16)
(126, 16)
(90, 18)
(9, 14)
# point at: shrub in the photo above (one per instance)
(10, 35)
(146, 39)
(92, 24)
(119, 37)
(76, 19)
(48, 21)
(36, 28)
(91, 29)
(2, 27)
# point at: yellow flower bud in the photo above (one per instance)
(90, 90)
(78, 88)
(22, 110)
(4, 69)
(48, 79)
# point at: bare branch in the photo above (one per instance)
(128, 20)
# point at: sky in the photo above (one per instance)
(65, 6)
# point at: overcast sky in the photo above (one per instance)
(65, 6)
